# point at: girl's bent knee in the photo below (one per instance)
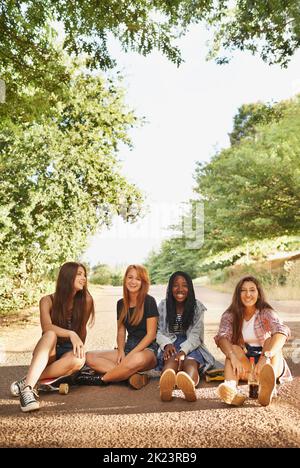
(77, 363)
(90, 359)
(139, 362)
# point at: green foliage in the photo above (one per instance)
(27, 30)
(249, 116)
(101, 275)
(251, 195)
(29, 39)
(250, 252)
(280, 278)
(104, 275)
(116, 279)
(60, 180)
(265, 276)
(251, 190)
(172, 256)
(270, 28)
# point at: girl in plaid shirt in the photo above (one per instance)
(251, 328)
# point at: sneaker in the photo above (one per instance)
(187, 385)
(28, 399)
(138, 381)
(267, 385)
(230, 395)
(17, 386)
(167, 384)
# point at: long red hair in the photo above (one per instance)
(138, 313)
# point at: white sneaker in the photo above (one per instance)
(17, 386)
(230, 395)
(28, 399)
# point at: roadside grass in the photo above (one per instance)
(281, 283)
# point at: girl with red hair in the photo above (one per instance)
(137, 316)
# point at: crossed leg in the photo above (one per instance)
(43, 364)
(106, 362)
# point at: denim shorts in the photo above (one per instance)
(195, 354)
(62, 348)
(253, 351)
(132, 342)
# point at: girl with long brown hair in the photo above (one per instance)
(137, 316)
(250, 328)
(60, 351)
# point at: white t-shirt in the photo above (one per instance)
(248, 332)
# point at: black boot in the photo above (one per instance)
(89, 379)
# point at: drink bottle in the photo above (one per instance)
(252, 381)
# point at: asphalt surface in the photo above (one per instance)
(118, 416)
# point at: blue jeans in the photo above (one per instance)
(195, 354)
(133, 341)
(62, 348)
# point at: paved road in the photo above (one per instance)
(117, 416)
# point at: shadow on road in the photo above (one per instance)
(111, 400)
(114, 399)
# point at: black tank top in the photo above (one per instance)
(69, 323)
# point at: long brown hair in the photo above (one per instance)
(63, 296)
(138, 313)
(236, 307)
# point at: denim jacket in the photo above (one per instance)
(194, 334)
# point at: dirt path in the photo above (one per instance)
(118, 416)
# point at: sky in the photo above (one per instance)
(189, 112)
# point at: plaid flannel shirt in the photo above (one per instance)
(266, 324)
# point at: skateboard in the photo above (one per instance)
(57, 384)
(214, 374)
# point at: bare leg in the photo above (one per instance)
(276, 361)
(278, 364)
(66, 365)
(228, 371)
(43, 350)
(102, 361)
(188, 378)
(226, 392)
(170, 364)
(43, 364)
(191, 367)
(167, 380)
(132, 363)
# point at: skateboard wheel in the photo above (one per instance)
(63, 389)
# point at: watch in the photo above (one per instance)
(268, 354)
